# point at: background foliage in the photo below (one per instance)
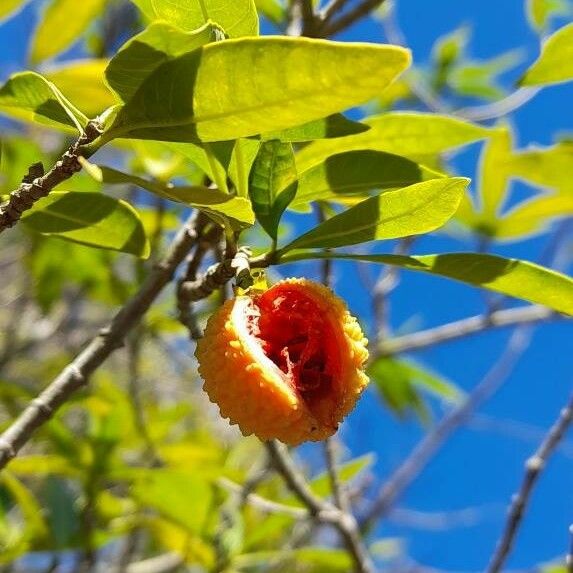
(136, 471)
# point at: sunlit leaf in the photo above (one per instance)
(540, 12)
(274, 164)
(83, 82)
(237, 17)
(494, 176)
(533, 216)
(413, 210)
(512, 277)
(555, 64)
(325, 128)
(29, 96)
(90, 219)
(546, 166)
(356, 172)
(272, 9)
(177, 101)
(10, 8)
(399, 382)
(146, 51)
(62, 24)
(162, 490)
(412, 135)
(236, 210)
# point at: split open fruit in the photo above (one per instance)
(286, 363)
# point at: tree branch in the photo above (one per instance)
(466, 327)
(533, 468)
(76, 374)
(321, 510)
(360, 11)
(413, 465)
(37, 184)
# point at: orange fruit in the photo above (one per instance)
(286, 363)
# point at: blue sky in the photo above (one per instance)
(482, 465)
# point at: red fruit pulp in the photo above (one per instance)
(298, 337)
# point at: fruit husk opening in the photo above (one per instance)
(298, 337)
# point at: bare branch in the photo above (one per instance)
(332, 9)
(499, 108)
(36, 184)
(338, 491)
(321, 510)
(217, 276)
(534, 466)
(414, 464)
(160, 564)
(360, 11)
(76, 374)
(466, 327)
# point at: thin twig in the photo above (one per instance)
(322, 511)
(332, 9)
(500, 108)
(386, 284)
(413, 465)
(217, 276)
(466, 327)
(37, 184)
(346, 20)
(76, 375)
(338, 491)
(534, 466)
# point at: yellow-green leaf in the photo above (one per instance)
(83, 82)
(356, 172)
(30, 97)
(413, 210)
(146, 51)
(237, 17)
(555, 64)
(90, 219)
(511, 277)
(61, 25)
(533, 216)
(413, 135)
(177, 101)
(9, 8)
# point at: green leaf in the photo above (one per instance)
(178, 101)
(412, 135)
(555, 64)
(356, 172)
(511, 277)
(145, 52)
(413, 210)
(163, 491)
(323, 559)
(540, 12)
(29, 96)
(10, 8)
(90, 219)
(83, 82)
(533, 216)
(272, 9)
(237, 17)
(222, 207)
(546, 166)
(325, 128)
(399, 381)
(494, 176)
(348, 471)
(274, 164)
(62, 24)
